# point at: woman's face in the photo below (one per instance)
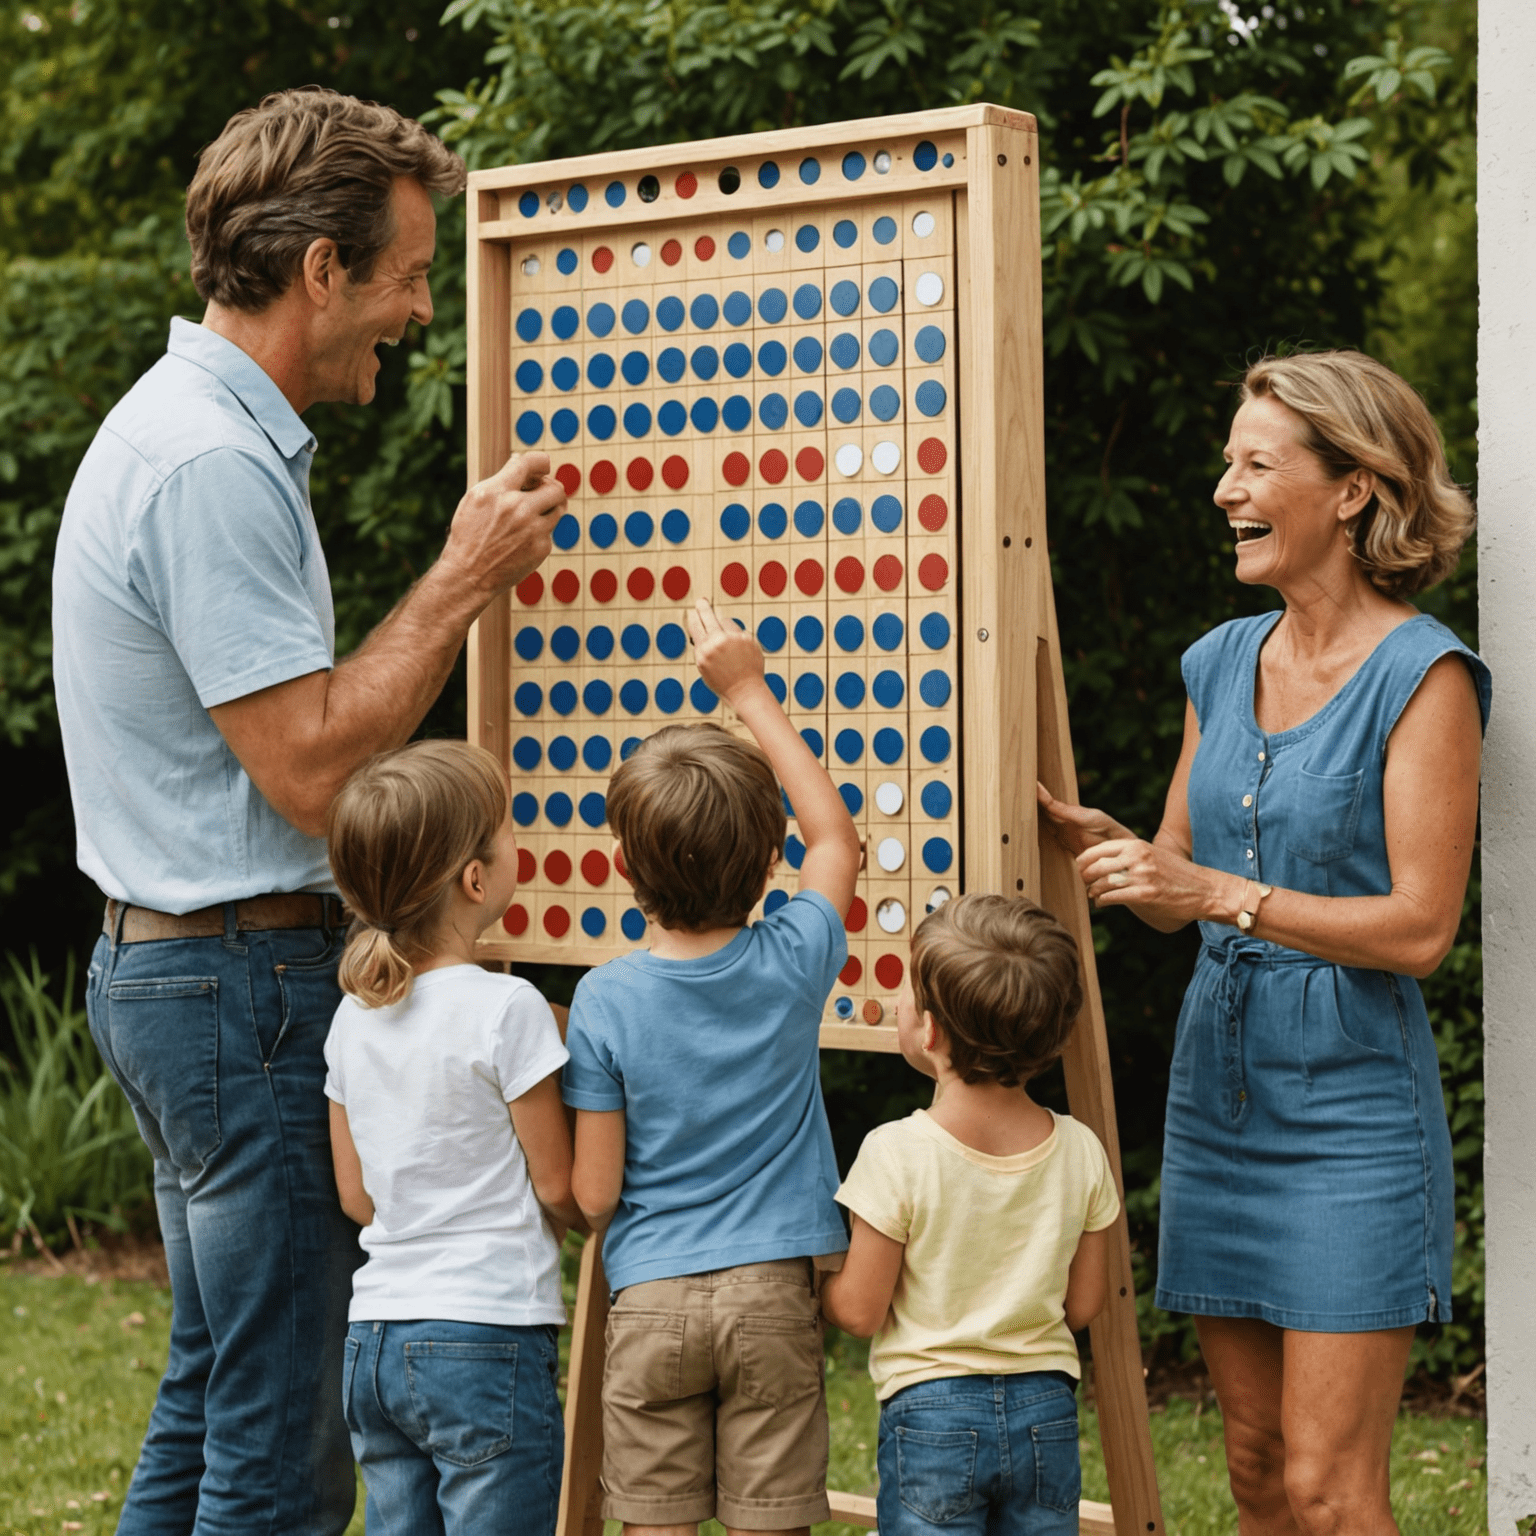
(1288, 516)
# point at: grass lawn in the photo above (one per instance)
(79, 1363)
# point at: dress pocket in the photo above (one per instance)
(1327, 807)
(645, 1356)
(1058, 1467)
(936, 1471)
(463, 1394)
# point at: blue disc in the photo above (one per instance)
(773, 411)
(566, 533)
(849, 746)
(675, 525)
(632, 924)
(810, 170)
(847, 514)
(844, 350)
(884, 348)
(807, 301)
(849, 690)
(557, 808)
(530, 427)
(772, 520)
(849, 633)
(603, 529)
(600, 319)
(703, 696)
(705, 362)
(807, 238)
(593, 921)
(565, 642)
(773, 901)
(613, 194)
(771, 633)
(739, 244)
(529, 698)
(525, 810)
(562, 698)
(845, 232)
(529, 376)
(562, 754)
(566, 261)
(938, 855)
(737, 308)
(528, 643)
(564, 322)
(528, 204)
(601, 369)
(889, 689)
(809, 632)
(808, 407)
(565, 424)
(845, 407)
(768, 174)
(738, 360)
(884, 229)
(925, 156)
(637, 419)
(671, 642)
(771, 358)
(594, 809)
(565, 374)
(636, 315)
(809, 690)
(672, 417)
(883, 294)
(576, 198)
(812, 738)
(935, 743)
(949, 159)
(627, 748)
(930, 398)
(887, 631)
(635, 641)
(884, 402)
(527, 753)
(597, 753)
(671, 364)
(889, 745)
(853, 796)
(794, 851)
(937, 799)
(772, 305)
(638, 528)
(634, 696)
(736, 413)
(776, 686)
(809, 518)
(807, 354)
(885, 513)
(935, 631)
(735, 521)
(600, 642)
(844, 297)
(704, 310)
(933, 690)
(853, 165)
(529, 323)
(843, 1007)
(597, 696)
(929, 344)
(636, 368)
(670, 313)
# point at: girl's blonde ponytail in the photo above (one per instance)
(373, 970)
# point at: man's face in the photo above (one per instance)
(366, 316)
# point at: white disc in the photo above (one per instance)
(930, 288)
(774, 240)
(922, 225)
(891, 915)
(555, 201)
(849, 459)
(937, 897)
(640, 254)
(890, 855)
(885, 456)
(882, 161)
(530, 266)
(889, 797)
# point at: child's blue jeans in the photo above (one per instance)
(994, 1455)
(456, 1426)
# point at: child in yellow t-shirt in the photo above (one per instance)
(978, 1246)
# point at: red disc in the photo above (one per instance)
(888, 972)
(735, 467)
(515, 919)
(687, 184)
(557, 867)
(733, 579)
(809, 577)
(570, 477)
(675, 582)
(704, 247)
(809, 463)
(933, 513)
(527, 866)
(530, 589)
(594, 867)
(675, 471)
(557, 922)
(932, 455)
(671, 252)
(604, 476)
(933, 571)
(640, 584)
(772, 578)
(566, 586)
(640, 473)
(858, 915)
(603, 585)
(602, 258)
(774, 466)
(887, 573)
(849, 574)
(850, 973)
(618, 861)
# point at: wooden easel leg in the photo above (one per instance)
(581, 1498)
(1120, 1387)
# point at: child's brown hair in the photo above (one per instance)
(1000, 977)
(399, 834)
(700, 817)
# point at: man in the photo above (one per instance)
(207, 726)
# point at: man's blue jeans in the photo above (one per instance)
(218, 1043)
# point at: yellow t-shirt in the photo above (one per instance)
(989, 1240)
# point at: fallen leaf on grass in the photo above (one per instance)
(133, 1320)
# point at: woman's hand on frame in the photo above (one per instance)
(1077, 827)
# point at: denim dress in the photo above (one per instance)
(1307, 1161)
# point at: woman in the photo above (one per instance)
(1319, 828)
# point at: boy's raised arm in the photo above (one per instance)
(731, 663)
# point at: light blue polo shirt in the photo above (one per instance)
(188, 573)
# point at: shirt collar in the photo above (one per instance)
(245, 378)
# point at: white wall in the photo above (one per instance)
(1506, 206)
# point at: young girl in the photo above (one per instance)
(450, 1368)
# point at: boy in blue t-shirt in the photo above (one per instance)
(701, 1139)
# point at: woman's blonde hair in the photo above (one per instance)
(1358, 414)
(399, 836)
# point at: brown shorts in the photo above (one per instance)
(714, 1400)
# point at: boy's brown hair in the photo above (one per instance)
(1000, 977)
(701, 820)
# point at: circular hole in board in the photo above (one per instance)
(774, 240)
(555, 202)
(730, 180)
(922, 225)
(649, 189)
(891, 915)
(882, 162)
(938, 896)
(531, 266)
(640, 254)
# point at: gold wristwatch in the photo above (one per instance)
(1248, 915)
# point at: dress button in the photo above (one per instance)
(1249, 854)
(1247, 801)
(1261, 757)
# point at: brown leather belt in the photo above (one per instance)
(142, 925)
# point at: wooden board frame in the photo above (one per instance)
(1013, 698)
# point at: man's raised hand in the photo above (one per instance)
(503, 528)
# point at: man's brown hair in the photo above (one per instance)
(305, 165)
(701, 820)
(1000, 977)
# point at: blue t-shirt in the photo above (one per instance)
(188, 573)
(716, 1064)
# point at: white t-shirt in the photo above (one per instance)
(457, 1233)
